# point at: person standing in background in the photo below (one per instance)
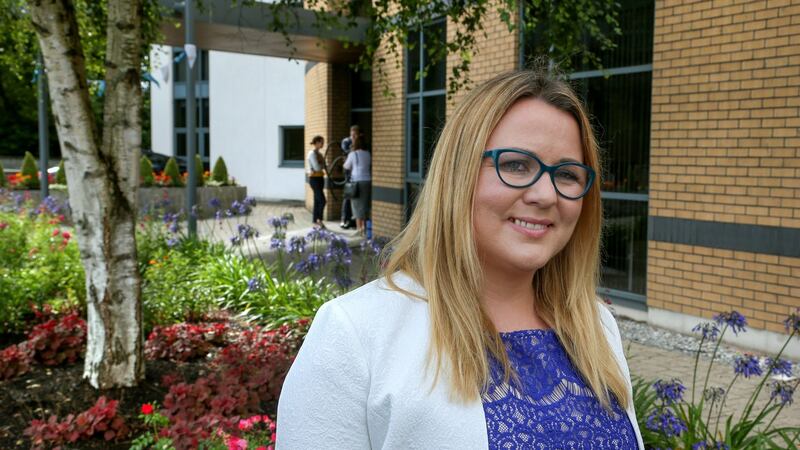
(316, 178)
(359, 161)
(347, 211)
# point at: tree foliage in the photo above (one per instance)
(569, 33)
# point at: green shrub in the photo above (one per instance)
(3, 181)
(198, 169)
(174, 174)
(30, 171)
(220, 172)
(39, 264)
(146, 172)
(61, 175)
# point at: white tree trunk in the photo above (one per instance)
(103, 174)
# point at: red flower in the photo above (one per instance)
(147, 409)
(56, 232)
(66, 235)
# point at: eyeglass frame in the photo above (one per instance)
(495, 155)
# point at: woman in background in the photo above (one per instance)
(359, 162)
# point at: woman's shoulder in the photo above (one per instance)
(377, 302)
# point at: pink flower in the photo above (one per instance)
(56, 232)
(235, 443)
(66, 235)
(261, 448)
(3, 226)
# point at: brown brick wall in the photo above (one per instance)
(327, 113)
(702, 281)
(725, 148)
(726, 111)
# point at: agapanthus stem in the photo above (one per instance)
(714, 355)
(722, 405)
(753, 397)
(696, 361)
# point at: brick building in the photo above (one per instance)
(698, 114)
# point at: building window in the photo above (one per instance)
(425, 106)
(202, 110)
(292, 146)
(620, 107)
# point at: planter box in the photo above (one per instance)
(161, 199)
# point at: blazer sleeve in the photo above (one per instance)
(323, 400)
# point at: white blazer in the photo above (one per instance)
(359, 380)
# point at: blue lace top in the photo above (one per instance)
(555, 409)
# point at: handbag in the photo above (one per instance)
(351, 187)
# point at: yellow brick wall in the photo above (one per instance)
(702, 281)
(726, 112)
(495, 53)
(725, 148)
(327, 107)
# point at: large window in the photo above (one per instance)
(618, 100)
(202, 110)
(425, 106)
(292, 148)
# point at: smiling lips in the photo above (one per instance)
(531, 227)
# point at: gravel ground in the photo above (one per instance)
(645, 334)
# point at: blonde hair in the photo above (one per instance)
(437, 249)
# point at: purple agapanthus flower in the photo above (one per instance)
(297, 245)
(669, 391)
(733, 319)
(278, 223)
(235, 241)
(703, 445)
(172, 242)
(747, 366)
(792, 323)
(709, 330)
(246, 231)
(277, 244)
(783, 391)
(714, 394)
(779, 366)
(249, 201)
(215, 203)
(253, 284)
(318, 234)
(240, 208)
(665, 422)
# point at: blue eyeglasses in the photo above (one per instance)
(520, 169)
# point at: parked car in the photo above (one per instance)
(160, 160)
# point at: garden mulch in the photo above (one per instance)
(61, 390)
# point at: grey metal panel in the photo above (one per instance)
(245, 28)
(387, 194)
(777, 241)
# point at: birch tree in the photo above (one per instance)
(104, 164)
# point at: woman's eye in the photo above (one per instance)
(567, 175)
(515, 166)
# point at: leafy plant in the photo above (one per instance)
(198, 169)
(220, 171)
(29, 172)
(3, 180)
(184, 341)
(100, 418)
(61, 175)
(146, 172)
(58, 340)
(668, 420)
(171, 171)
(152, 440)
(15, 360)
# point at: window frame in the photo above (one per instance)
(290, 163)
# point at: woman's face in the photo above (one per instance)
(519, 230)
(318, 144)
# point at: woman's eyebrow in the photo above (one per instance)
(531, 152)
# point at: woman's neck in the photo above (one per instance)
(510, 302)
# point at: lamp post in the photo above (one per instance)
(44, 140)
(191, 134)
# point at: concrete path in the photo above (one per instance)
(653, 363)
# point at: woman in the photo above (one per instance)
(316, 179)
(359, 162)
(486, 331)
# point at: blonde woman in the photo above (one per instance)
(486, 331)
